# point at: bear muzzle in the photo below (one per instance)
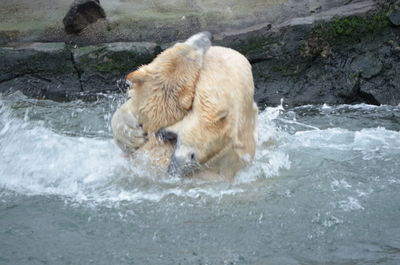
(184, 162)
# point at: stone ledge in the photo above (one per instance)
(305, 60)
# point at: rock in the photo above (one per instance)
(383, 89)
(58, 72)
(39, 70)
(365, 70)
(314, 6)
(367, 65)
(310, 59)
(158, 20)
(101, 66)
(81, 14)
(394, 16)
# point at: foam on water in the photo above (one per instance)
(36, 158)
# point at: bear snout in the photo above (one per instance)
(184, 162)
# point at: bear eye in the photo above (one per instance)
(141, 126)
(221, 116)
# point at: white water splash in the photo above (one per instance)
(268, 160)
(38, 159)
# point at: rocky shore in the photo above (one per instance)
(312, 52)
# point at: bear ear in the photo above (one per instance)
(200, 41)
(136, 78)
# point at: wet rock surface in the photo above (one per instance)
(394, 17)
(367, 71)
(333, 53)
(101, 66)
(40, 70)
(394, 14)
(60, 72)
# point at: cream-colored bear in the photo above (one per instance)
(212, 138)
(218, 137)
(161, 94)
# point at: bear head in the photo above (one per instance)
(203, 137)
(162, 92)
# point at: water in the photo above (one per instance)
(324, 189)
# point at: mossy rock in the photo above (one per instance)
(52, 58)
(114, 57)
(100, 66)
(351, 29)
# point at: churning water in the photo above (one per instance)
(324, 189)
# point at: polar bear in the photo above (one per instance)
(161, 93)
(208, 119)
(218, 137)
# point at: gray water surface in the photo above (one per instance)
(324, 189)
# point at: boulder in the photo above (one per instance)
(81, 14)
(368, 65)
(39, 70)
(394, 16)
(60, 72)
(101, 66)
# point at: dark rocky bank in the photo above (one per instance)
(348, 53)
